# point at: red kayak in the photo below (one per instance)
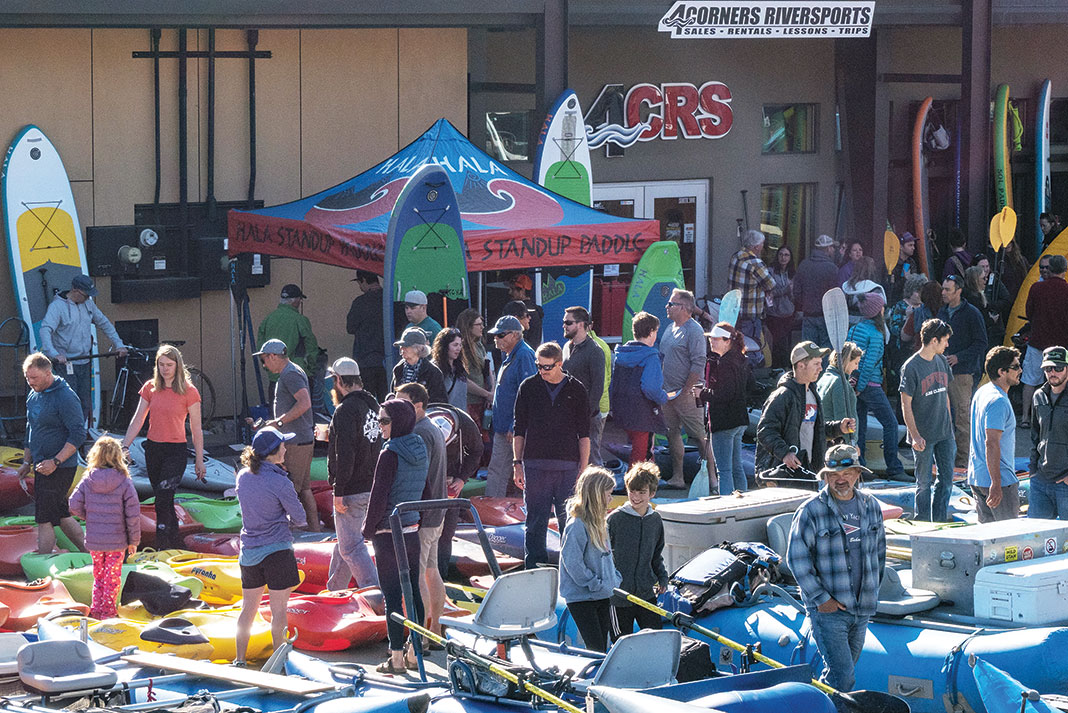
(186, 524)
(15, 541)
(333, 621)
(12, 494)
(214, 543)
(324, 501)
(313, 559)
(890, 512)
(26, 603)
(470, 560)
(499, 511)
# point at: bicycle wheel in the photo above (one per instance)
(117, 403)
(207, 393)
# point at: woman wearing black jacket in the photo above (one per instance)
(415, 366)
(728, 378)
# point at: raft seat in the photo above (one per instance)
(518, 604)
(779, 537)
(895, 599)
(646, 659)
(10, 643)
(62, 666)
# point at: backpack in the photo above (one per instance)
(721, 576)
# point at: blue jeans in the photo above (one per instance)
(941, 453)
(350, 559)
(727, 448)
(1047, 499)
(840, 639)
(814, 329)
(545, 491)
(873, 399)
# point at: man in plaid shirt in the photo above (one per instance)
(749, 274)
(836, 552)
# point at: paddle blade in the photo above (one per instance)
(869, 702)
(1002, 228)
(729, 307)
(891, 250)
(836, 315)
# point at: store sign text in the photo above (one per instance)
(669, 111)
(768, 18)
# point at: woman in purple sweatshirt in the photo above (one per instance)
(107, 501)
(269, 504)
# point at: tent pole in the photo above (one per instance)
(233, 364)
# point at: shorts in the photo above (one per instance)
(297, 463)
(428, 546)
(1032, 367)
(50, 496)
(683, 411)
(276, 571)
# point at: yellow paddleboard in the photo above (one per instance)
(1059, 246)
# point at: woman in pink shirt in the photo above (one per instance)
(167, 400)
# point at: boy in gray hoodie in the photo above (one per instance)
(636, 533)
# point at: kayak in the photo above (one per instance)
(218, 624)
(118, 633)
(470, 561)
(220, 576)
(150, 555)
(79, 582)
(332, 621)
(498, 511)
(324, 501)
(509, 540)
(319, 468)
(28, 602)
(62, 541)
(213, 543)
(12, 493)
(216, 515)
(37, 566)
(475, 486)
(313, 559)
(186, 524)
(15, 541)
(219, 478)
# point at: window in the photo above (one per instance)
(788, 216)
(789, 128)
(508, 135)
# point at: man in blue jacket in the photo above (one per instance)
(836, 551)
(518, 363)
(967, 345)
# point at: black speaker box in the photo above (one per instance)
(156, 289)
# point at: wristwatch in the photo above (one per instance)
(56, 462)
(517, 461)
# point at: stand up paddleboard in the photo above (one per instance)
(921, 210)
(1002, 169)
(562, 164)
(730, 306)
(424, 247)
(1059, 246)
(1043, 189)
(44, 237)
(655, 276)
(836, 315)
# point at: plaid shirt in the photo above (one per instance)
(816, 553)
(749, 274)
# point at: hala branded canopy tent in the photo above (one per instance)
(508, 221)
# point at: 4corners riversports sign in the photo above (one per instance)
(768, 18)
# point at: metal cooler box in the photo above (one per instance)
(1030, 593)
(692, 526)
(946, 561)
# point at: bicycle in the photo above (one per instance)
(117, 418)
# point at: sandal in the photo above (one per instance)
(387, 667)
(409, 651)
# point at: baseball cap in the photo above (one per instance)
(718, 331)
(345, 366)
(268, 438)
(506, 324)
(1055, 356)
(292, 291)
(517, 308)
(908, 237)
(824, 241)
(85, 284)
(841, 457)
(413, 336)
(523, 280)
(807, 350)
(415, 297)
(272, 346)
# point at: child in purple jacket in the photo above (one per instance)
(107, 501)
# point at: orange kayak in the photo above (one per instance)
(332, 621)
(214, 543)
(470, 560)
(27, 603)
(186, 524)
(499, 511)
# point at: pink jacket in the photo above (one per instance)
(107, 501)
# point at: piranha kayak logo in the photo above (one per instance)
(622, 117)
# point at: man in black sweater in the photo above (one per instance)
(551, 445)
(354, 443)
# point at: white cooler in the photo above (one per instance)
(692, 526)
(1026, 593)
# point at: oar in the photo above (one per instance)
(1002, 230)
(891, 250)
(855, 701)
(457, 649)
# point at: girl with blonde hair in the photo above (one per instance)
(587, 571)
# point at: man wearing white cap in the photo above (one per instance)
(415, 311)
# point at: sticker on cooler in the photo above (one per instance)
(1051, 545)
(1028, 553)
(1012, 554)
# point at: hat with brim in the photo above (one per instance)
(718, 331)
(412, 337)
(345, 366)
(807, 350)
(506, 324)
(272, 346)
(268, 439)
(1054, 356)
(842, 457)
(84, 283)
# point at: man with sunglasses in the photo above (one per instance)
(551, 446)
(584, 360)
(1047, 304)
(965, 352)
(1049, 435)
(991, 464)
(836, 552)
(517, 365)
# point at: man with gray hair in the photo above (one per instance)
(684, 354)
(816, 274)
(1047, 303)
(748, 274)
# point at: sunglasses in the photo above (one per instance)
(568, 322)
(841, 463)
(547, 367)
(673, 304)
(501, 336)
(384, 421)
(1015, 367)
(1054, 369)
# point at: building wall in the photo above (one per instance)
(330, 104)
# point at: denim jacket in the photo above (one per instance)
(817, 554)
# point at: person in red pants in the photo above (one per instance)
(637, 390)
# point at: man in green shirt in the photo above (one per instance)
(415, 311)
(289, 325)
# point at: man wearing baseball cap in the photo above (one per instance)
(288, 324)
(816, 274)
(839, 575)
(518, 364)
(415, 311)
(791, 430)
(519, 288)
(354, 442)
(1049, 432)
(67, 331)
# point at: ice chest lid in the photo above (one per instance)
(1025, 574)
(762, 503)
(983, 533)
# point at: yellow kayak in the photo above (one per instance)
(161, 556)
(79, 582)
(220, 575)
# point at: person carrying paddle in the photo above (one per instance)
(836, 551)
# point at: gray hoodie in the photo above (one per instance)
(638, 549)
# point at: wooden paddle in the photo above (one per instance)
(854, 702)
(891, 250)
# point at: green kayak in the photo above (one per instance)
(473, 488)
(62, 541)
(79, 582)
(318, 469)
(40, 566)
(215, 514)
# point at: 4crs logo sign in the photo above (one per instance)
(620, 117)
